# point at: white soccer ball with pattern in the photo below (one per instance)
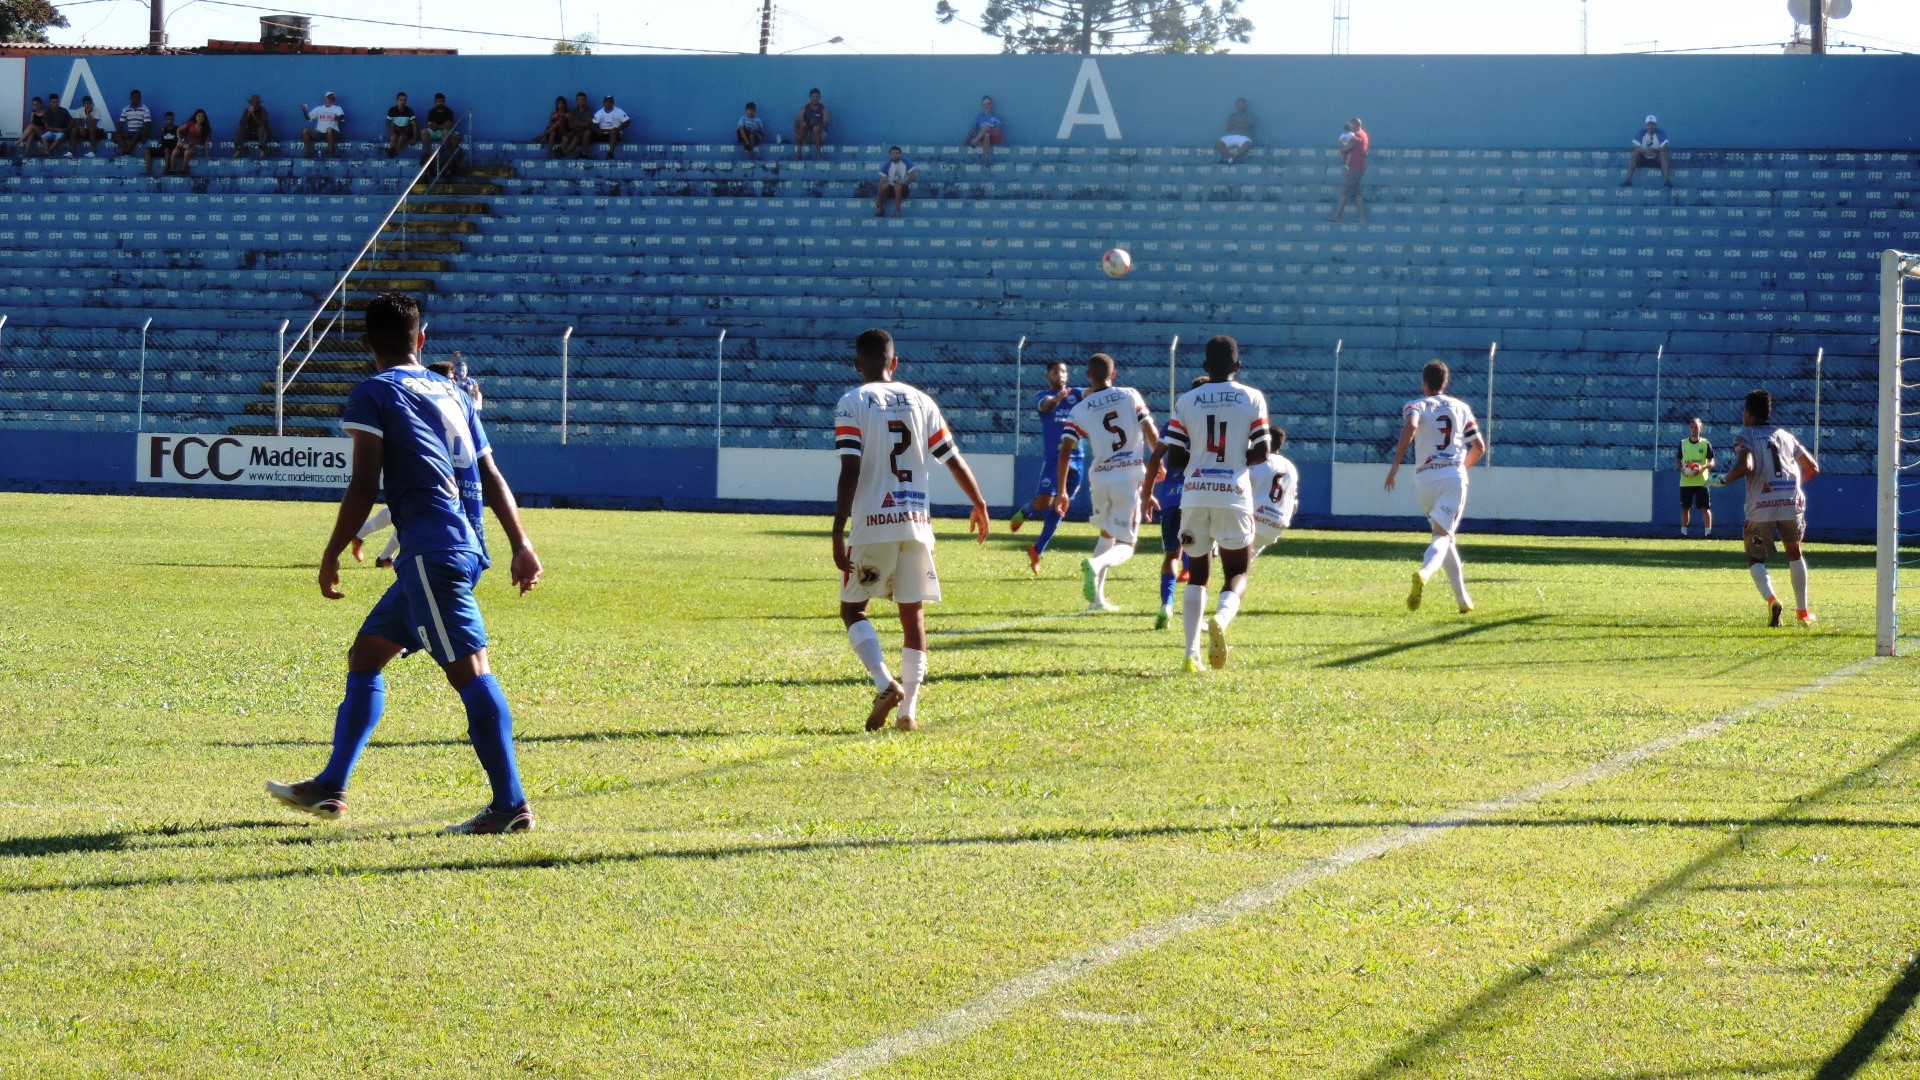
(1117, 263)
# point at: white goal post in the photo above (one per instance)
(1896, 267)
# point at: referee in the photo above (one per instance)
(1695, 461)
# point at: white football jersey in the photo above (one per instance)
(1442, 428)
(1108, 422)
(1773, 487)
(1228, 419)
(1276, 492)
(897, 433)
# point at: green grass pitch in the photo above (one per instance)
(731, 879)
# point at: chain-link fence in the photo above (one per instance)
(1339, 402)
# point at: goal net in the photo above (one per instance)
(1897, 526)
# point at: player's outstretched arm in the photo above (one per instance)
(494, 489)
(978, 520)
(1742, 465)
(1400, 450)
(369, 456)
(1061, 500)
(843, 509)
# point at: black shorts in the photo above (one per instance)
(1695, 496)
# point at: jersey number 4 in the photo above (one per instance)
(1216, 438)
(902, 442)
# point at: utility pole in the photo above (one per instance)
(766, 25)
(156, 26)
(1818, 13)
(1342, 18)
(1583, 27)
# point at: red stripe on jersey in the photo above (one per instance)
(1258, 422)
(938, 437)
(1175, 425)
(851, 431)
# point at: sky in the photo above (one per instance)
(909, 26)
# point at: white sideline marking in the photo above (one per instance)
(1017, 991)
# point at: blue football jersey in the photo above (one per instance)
(1053, 424)
(433, 443)
(1168, 491)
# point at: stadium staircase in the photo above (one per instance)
(1737, 277)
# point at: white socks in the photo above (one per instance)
(1108, 554)
(913, 672)
(1457, 576)
(1436, 553)
(866, 645)
(1762, 580)
(1193, 611)
(1798, 568)
(1229, 607)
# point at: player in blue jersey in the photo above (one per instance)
(415, 433)
(1053, 404)
(1165, 502)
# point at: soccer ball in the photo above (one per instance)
(1116, 263)
(1693, 468)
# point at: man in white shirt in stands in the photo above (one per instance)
(896, 176)
(1649, 149)
(329, 121)
(135, 120)
(609, 124)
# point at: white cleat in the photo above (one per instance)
(1419, 587)
(1217, 649)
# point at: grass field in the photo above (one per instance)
(732, 880)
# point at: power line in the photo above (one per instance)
(459, 30)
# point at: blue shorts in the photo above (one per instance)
(1169, 530)
(1050, 478)
(430, 606)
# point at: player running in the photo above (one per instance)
(887, 433)
(415, 433)
(1113, 423)
(1165, 502)
(1053, 404)
(1775, 465)
(1216, 503)
(1446, 443)
(1276, 493)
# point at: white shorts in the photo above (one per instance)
(1202, 527)
(899, 570)
(1265, 535)
(1116, 511)
(1444, 499)
(1234, 142)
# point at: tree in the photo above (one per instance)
(27, 20)
(1125, 26)
(577, 45)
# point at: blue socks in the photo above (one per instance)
(1052, 522)
(353, 725)
(1166, 589)
(490, 728)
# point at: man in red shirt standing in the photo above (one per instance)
(1353, 160)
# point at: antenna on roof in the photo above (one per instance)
(1342, 15)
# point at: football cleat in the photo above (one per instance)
(1033, 559)
(1101, 607)
(354, 549)
(906, 723)
(1466, 609)
(383, 563)
(1089, 588)
(1805, 618)
(1192, 666)
(1216, 643)
(489, 822)
(1018, 519)
(885, 702)
(311, 798)
(1419, 587)
(1773, 612)
(1161, 620)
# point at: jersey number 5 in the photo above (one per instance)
(1216, 439)
(1119, 435)
(903, 442)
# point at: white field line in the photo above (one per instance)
(997, 1002)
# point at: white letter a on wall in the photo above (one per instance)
(1089, 83)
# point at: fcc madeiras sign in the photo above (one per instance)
(243, 460)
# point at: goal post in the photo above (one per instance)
(1896, 267)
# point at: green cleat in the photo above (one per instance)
(1087, 586)
(1192, 666)
(1419, 587)
(1161, 620)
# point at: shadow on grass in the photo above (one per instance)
(575, 737)
(1559, 551)
(1873, 1032)
(1411, 1051)
(232, 566)
(1442, 638)
(31, 847)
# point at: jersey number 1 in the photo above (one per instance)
(903, 442)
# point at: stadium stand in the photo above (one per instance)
(1739, 275)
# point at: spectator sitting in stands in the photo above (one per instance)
(193, 138)
(579, 126)
(163, 144)
(896, 177)
(135, 119)
(59, 128)
(253, 127)
(86, 127)
(751, 131)
(36, 127)
(440, 132)
(329, 122)
(810, 125)
(402, 127)
(1649, 149)
(1239, 137)
(609, 125)
(555, 133)
(987, 131)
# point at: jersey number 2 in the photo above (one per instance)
(903, 442)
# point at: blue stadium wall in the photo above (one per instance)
(1746, 102)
